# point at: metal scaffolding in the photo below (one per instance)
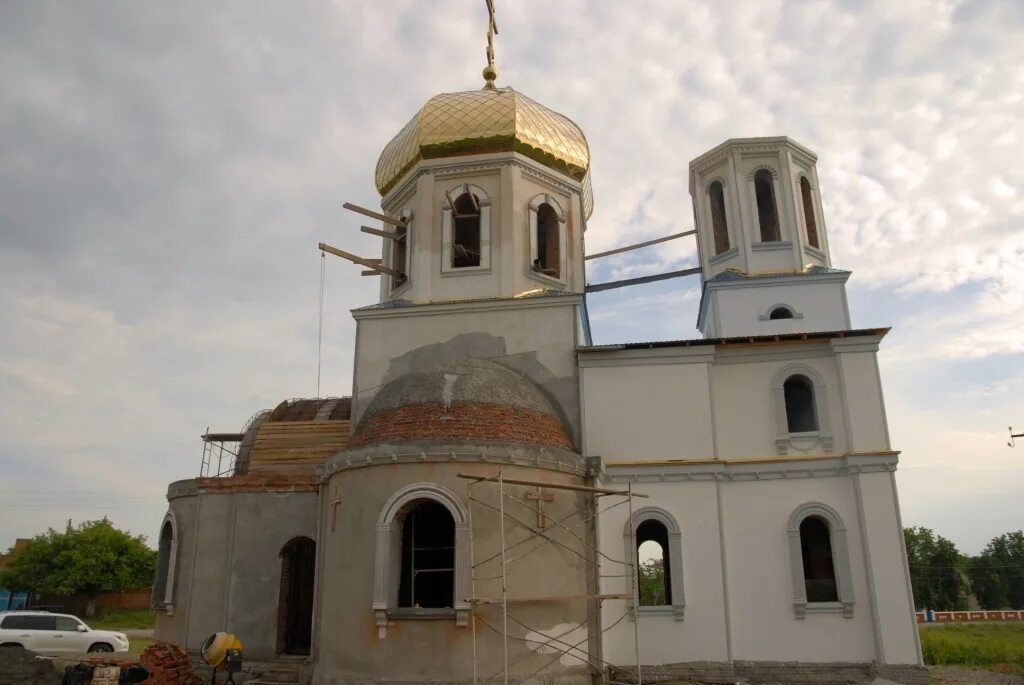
(218, 459)
(539, 536)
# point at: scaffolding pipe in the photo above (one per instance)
(472, 576)
(636, 586)
(504, 579)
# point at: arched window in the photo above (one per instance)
(820, 561)
(654, 542)
(767, 211)
(816, 552)
(422, 564)
(166, 560)
(809, 220)
(398, 258)
(652, 554)
(781, 313)
(720, 227)
(800, 413)
(548, 260)
(466, 238)
(427, 576)
(295, 597)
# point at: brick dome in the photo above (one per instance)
(470, 400)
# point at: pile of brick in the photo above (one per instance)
(168, 664)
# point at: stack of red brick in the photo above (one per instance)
(168, 664)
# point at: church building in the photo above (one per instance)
(501, 500)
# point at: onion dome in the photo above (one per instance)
(488, 120)
(469, 400)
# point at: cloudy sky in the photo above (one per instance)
(166, 170)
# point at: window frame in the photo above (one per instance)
(840, 562)
(448, 231)
(389, 254)
(166, 603)
(781, 241)
(807, 440)
(533, 207)
(388, 557)
(675, 559)
(725, 217)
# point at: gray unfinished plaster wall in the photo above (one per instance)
(349, 648)
(533, 336)
(229, 566)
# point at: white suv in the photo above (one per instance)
(56, 634)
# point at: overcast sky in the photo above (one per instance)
(166, 170)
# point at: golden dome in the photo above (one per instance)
(488, 120)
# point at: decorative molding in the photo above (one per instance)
(773, 246)
(724, 256)
(764, 167)
(466, 306)
(840, 561)
(747, 470)
(388, 555)
(701, 166)
(803, 160)
(767, 313)
(544, 458)
(675, 560)
(804, 441)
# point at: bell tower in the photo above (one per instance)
(763, 244)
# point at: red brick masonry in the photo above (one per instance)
(462, 421)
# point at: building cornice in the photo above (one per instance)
(468, 306)
(749, 468)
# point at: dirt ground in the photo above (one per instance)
(955, 675)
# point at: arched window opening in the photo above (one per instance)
(295, 599)
(427, 578)
(812, 224)
(819, 569)
(548, 258)
(801, 416)
(466, 241)
(399, 252)
(781, 313)
(718, 222)
(654, 577)
(767, 211)
(163, 564)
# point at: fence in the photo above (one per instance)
(962, 616)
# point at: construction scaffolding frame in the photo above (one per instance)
(215, 450)
(542, 537)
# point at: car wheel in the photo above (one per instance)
(101, 647)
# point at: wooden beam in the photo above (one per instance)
(553, 486)
(374, 215)
(390, 235)
(639, 245)
(359, 260)
(369, 272)
(643, 279)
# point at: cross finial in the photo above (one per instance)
(490, 71)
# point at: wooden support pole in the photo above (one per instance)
(639, 245)
(553, 486)
(375, 265)
(375, 215)
(598, 287)
(390, 235)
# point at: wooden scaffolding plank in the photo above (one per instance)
(639, 245)
(542, 484)
(360, 260)
(546, 598)
(375, 215)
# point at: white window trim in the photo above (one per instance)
(840, 562)
(448, 229)
(534, 206)
(766, 315)
(756, 241)
(675, 559)
(733, 247)
(806, 241)
(406, 216)
(167, 602)
(387, 566)
(805, 441)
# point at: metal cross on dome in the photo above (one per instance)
(490, 71)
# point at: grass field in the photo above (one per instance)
(996, 647)
(119, 619)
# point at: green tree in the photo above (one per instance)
(652, 582)
(90, 559)
(935, 570)
(997, 574)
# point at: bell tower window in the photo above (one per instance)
(720, 228)
(547, 261)
(799, 395)
(812, 225)
(466, 243)
(767, 210)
